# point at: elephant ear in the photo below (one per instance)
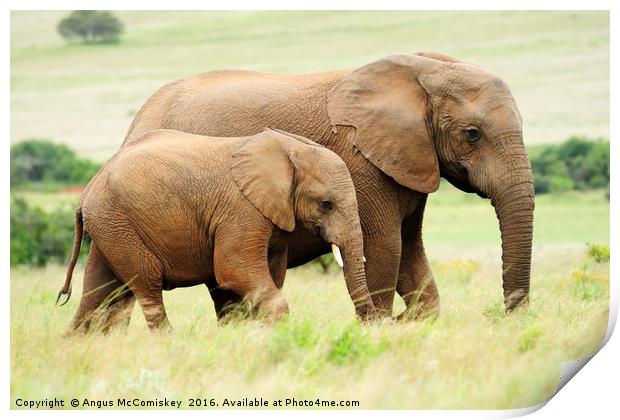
(438, 56)
(298, 138)
(264, 173)
(388, 107)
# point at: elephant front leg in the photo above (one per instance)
(225, 302)
(382, 255)
(416, 284)
(246, 272)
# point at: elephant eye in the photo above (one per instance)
(327, 205)
(473, 134)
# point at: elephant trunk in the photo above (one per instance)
(513, 200)
(355, 277)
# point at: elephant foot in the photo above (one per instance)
(273, 309)
(163, 328)
(418, 313)
(234, 312)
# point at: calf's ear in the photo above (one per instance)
(262, 170)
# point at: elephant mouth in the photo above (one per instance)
(457, 181)
(319, 231)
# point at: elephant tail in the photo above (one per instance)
(77, 244)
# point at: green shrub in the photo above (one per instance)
(38, 237)
(598, 252)
(355, 345)
(291, 336)
(42, 161)
(296, 340)
(588, 284)
(90, 26)
(559, 184)
(26, 225)
(578, 164)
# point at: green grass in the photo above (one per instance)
(557, 63)
(472, 356)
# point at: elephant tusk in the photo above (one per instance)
(363, 258)
(337, 255)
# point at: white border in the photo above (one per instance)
(594, 391)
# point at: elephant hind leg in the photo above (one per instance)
(119, 311)
(142, 273)
(102, 295)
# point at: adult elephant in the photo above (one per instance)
(399, 124)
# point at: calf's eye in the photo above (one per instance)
(473, 134)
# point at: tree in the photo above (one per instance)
(90, 26)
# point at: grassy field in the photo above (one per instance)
(557, 63)
(472, 356)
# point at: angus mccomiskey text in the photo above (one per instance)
(205, 403)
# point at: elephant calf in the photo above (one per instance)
(173, 210)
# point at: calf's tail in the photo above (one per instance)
(77, 243)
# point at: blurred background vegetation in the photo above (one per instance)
(577, 164)
(90, 27)
(40, 168)
(83, 96)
